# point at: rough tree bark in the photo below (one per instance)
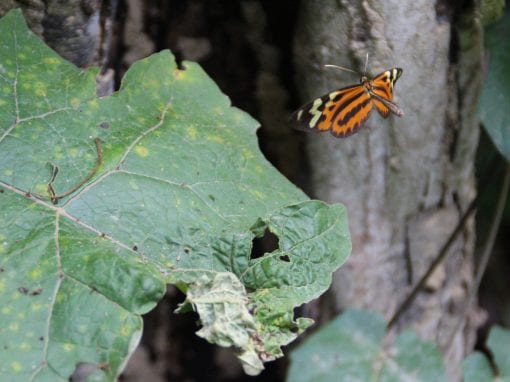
(72, 28)
(405, 182)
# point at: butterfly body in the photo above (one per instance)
(343, 111)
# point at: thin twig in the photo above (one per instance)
(442, 254)
(487, 250)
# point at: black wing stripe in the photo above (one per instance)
(344, 105)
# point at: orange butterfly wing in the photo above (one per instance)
(343, 112)
(382, 86)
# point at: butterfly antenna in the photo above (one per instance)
(366, 64)
(340, 68)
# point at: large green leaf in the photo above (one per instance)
(350, 348)
(477, 367)
(166, 185)
(495, 99)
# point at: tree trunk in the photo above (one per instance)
(405, 182)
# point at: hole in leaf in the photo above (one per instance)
(285, 258)
(23, 290)
(36, 292)
(82, 370)
(268, 242)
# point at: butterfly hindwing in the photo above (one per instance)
(382, 86)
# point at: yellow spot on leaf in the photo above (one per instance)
(75, 102)
(68, 347)
(6, 310)
(40, 92)
(94, 104)
(247, 154)
(125, 330)
(2, 286)
(73, 152)
(8, 172)
(24, 346)
(58, 152)
(179, 74)
(35, 274)
(16, 366)
(41, 188)
(2, 248)
(50, 60)
(36, 306)
(191, 132)
(141, 151)
(2, 102)
(14, 326)
(215, 138)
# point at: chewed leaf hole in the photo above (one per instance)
(285, 258)
(266, 243)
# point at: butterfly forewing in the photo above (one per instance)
(335, 111)
(344, 111)
(352, 114)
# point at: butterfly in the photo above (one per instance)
(342, 112)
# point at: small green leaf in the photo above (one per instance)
(350, 348)
(477, 367)
(494, 110)
(162, 182)
(499, 343)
